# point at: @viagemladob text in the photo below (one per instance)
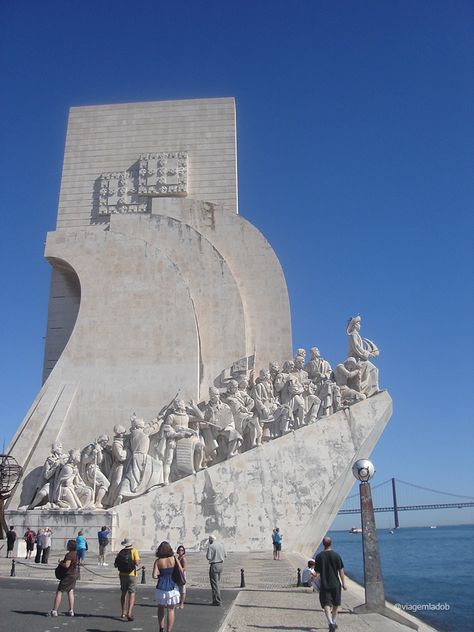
(416, 607)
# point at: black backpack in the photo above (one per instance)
(60, 571)
(124, 561)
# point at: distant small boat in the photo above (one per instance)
(355, 530)
(433, 526)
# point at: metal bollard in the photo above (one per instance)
(298, 578)
(242, 578)
(143, 580)
(13, 570)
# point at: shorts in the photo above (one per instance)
(67, 583)
(81, 554)
(102, 548)
(128, 583)
(277, 546)
(330, 597)
(30, 546)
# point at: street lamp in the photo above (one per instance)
(364, 470)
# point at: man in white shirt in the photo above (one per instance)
(215, 556)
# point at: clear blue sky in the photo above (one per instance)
(355, 136)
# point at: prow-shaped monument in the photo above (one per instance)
(171, 405)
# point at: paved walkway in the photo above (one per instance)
(270, 601)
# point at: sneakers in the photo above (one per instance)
(52, 613)
(70, 613)
(105, 564)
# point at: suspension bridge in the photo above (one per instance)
(387, 497)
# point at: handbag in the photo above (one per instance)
(60, 571)
(178, 574)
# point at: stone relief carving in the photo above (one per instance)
(185, 438)
(159, 174)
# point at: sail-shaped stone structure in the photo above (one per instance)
(160, 287)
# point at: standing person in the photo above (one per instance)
(46, 545)
(68, 582)
(215, 556)
(277, 538)
(167, 595)
(127, 562)
(81, 547)
(182, 559)
(104, 538)
(328, 565)
(29, 538)
(39, 545)
(11, 539)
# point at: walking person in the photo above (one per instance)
(68, 582)
(167, 594)
(215, 556)
(127, 562)
(328, 565)
(277, 538)
(81, 547)
(183, 560)
(45, 545)
(104, 538)
(11, 539)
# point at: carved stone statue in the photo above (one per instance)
(143, 471)
(362, 349)
(69, 490)
(291, 395)
(330, 396)
(220, 421)
(298, 370)
(92, 457)
(317, 368)
(347, 376)
(312, 403)
(180, 446)
(242, 405)
(54, 461)
(120, 455)
(272, 415)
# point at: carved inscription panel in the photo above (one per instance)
(154, 175)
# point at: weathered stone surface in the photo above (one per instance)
(297, 482)
(143, 304)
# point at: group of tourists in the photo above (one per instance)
(41, 541)
(169, 571)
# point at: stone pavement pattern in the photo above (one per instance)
(270, 601)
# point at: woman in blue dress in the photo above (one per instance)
(167, 593)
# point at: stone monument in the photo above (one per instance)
(166, 308)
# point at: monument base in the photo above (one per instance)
(65, 524)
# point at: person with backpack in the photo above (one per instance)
(127, 562)
(29, 537)
(104, 538)
(66, 572)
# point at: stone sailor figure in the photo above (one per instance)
(362, 349)
(143, 471)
